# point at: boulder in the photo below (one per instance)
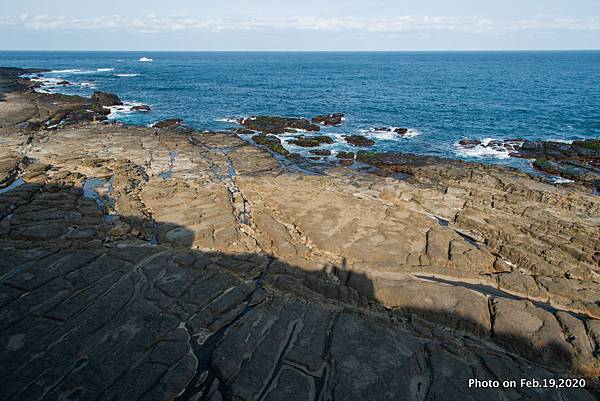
(106, 99)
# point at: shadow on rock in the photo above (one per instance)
(93, 313)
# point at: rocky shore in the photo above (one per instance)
(165, 263)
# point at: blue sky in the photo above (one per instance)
(299, 25)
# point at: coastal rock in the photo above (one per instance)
(106, 99)
(277, 125)
(141, 107)
(271, 142)
(171, 123)
(310, 141)
(359, 141)
(329, 119)
(509, 145)
(320, 152)
(396, 130)
(345, 155)
(578, 161)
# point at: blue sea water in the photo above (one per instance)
(443, 96)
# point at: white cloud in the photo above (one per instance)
(154, 24)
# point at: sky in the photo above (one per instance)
(343, 25)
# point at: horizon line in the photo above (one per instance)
(303, 51)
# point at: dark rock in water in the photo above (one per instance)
(310, 141)
(63, 83)
(345, 155)
(399, 131)
(578, 161)
(106, 99)
(271, 142)
(321, 152)
(277, 125)
(359, 141)
(549, 149)
(469, 143)
(509, 145)
(141, 107)
(590, 147)
(169, 123)
(329, 119)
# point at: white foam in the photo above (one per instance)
(51, 84)
(567, 141)
(560, 180)
(388, 134)
(145, 59)
(232, 120)
(127, 75)
(483, 150)
(64, 71)
(126, 108)
(105, 69)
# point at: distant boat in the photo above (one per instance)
(145, 59)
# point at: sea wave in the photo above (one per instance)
(127, 75)
(232, 120)
(487, 148)
(145, 59)
(389, 133)
(126, 108)
(53, 85)
(104, 69)
(65, 71)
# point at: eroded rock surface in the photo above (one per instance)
(145, 264)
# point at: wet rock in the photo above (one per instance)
(310, 141)
(329, 119)
(345, 155)
(469, 143)
(395, 130)
(359, 141)
(578, 161)
(141, 107)
(320, 152)
(106, 99)
(171, 123)
(272, 142)
(277, 125)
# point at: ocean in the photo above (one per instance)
(442, 97)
